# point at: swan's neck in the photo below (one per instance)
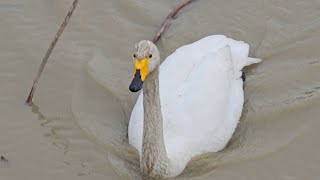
(154, 159)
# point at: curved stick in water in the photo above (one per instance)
(166, 22)
(49, 51)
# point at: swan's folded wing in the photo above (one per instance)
(200, 105)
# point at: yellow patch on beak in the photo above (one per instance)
(141, 65)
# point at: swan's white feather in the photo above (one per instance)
(201, 98)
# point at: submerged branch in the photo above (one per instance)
(166, 22)
(49, 51)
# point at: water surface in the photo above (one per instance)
(77, 128)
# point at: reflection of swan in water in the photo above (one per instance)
(190, 105)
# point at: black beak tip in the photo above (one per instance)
(134, 88)
(135, 85)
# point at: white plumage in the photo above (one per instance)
(201, 94)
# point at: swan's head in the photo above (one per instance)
(146, 59)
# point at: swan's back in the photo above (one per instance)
(201, 98)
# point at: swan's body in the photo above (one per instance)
(201, 98)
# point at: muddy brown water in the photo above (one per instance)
(77, 127)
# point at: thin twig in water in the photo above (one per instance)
(166, 22)
(49, 51)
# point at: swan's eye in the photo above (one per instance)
(134, 55)
(150, 56)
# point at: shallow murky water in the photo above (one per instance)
(77, 128)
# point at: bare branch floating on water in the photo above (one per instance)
(49, 51)
(164, 25)
(166, 22)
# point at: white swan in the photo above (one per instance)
(199, 106)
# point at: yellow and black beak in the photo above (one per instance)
(140, 74)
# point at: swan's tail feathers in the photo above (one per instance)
(252, 61)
